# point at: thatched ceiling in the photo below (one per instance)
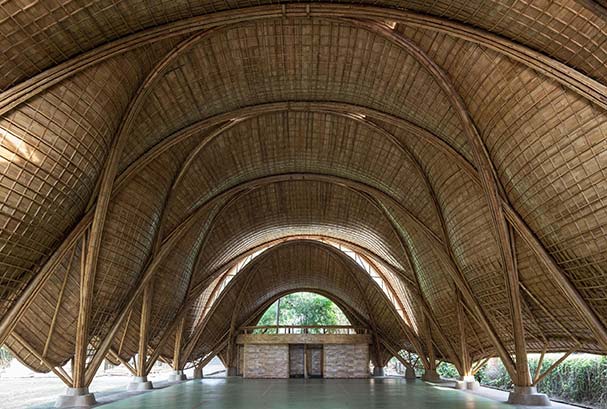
(453, 143)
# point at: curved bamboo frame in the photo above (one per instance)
(410, 233)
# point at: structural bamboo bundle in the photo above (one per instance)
(149, 150)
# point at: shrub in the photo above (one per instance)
(580, 379)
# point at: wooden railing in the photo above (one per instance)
(304, 329)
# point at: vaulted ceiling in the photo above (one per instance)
(461, 146)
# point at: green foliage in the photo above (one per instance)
(5, 357)
(447, 370)
(580, 379)
(494, 374)
(304, 309)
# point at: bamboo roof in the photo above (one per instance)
(459, 146)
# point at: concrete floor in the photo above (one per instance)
(238, 393)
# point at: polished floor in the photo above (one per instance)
(238, 393)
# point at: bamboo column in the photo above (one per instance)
(140, 382)
(465, 357)
(82, 328)
(146, 307)
(430, 374)
(520, 347)
(178, 355)
(467, 380)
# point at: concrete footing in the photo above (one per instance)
(232, 371)
(177, 376)
(76, 397)
(467, 382)
(410, 374)
(139, 383)
(528, 396)
(431, 375)
(198, 373)
(378, 371)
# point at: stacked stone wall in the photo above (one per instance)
(346, 361)
(266, 361)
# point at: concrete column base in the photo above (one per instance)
(177, 376)
(76, 397)
(139, 383)
(467, 382)
(378, 371)
(410, 374)
(431, 375)
(198, 373)
(232, 371)
(528, 396)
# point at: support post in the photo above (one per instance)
(178, 375)
(86, 294)
(140, 382)
(430, 373)
(78, 395)
(466, 380)
(198, 372)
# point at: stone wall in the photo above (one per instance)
(266, 361)
(346, 361)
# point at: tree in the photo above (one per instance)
(304, 309)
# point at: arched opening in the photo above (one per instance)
(320, 338)
(171, 172)
(305, 309)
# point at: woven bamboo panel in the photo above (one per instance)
(53, 148)
(38, 35)
(294, 142)
(175, 275)
(126, 342)
(297, 208)
(537, 131)
(290, 60)
(37, 327)
(366, 143)
(299, 266)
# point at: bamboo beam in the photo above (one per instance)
(177, 352)
(17, 309)
(471, 300)
(520, 345)
(559, 277)
(238, 306)
(548, 313)
(465, 357)
(427, 331)
(446, 149)
(166, 248)
(126, 364)
(479, 365)
(492, 192)
(163, 341)
(567, 76)
(352, 264)
(146, 310)
(539, 364)
(60, 372)
(406, 329)
(397, 354)
(51, 329)
(82, 327)
(552, 367)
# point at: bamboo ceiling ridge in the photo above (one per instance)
(458, 148)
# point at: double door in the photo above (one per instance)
(305, 361)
